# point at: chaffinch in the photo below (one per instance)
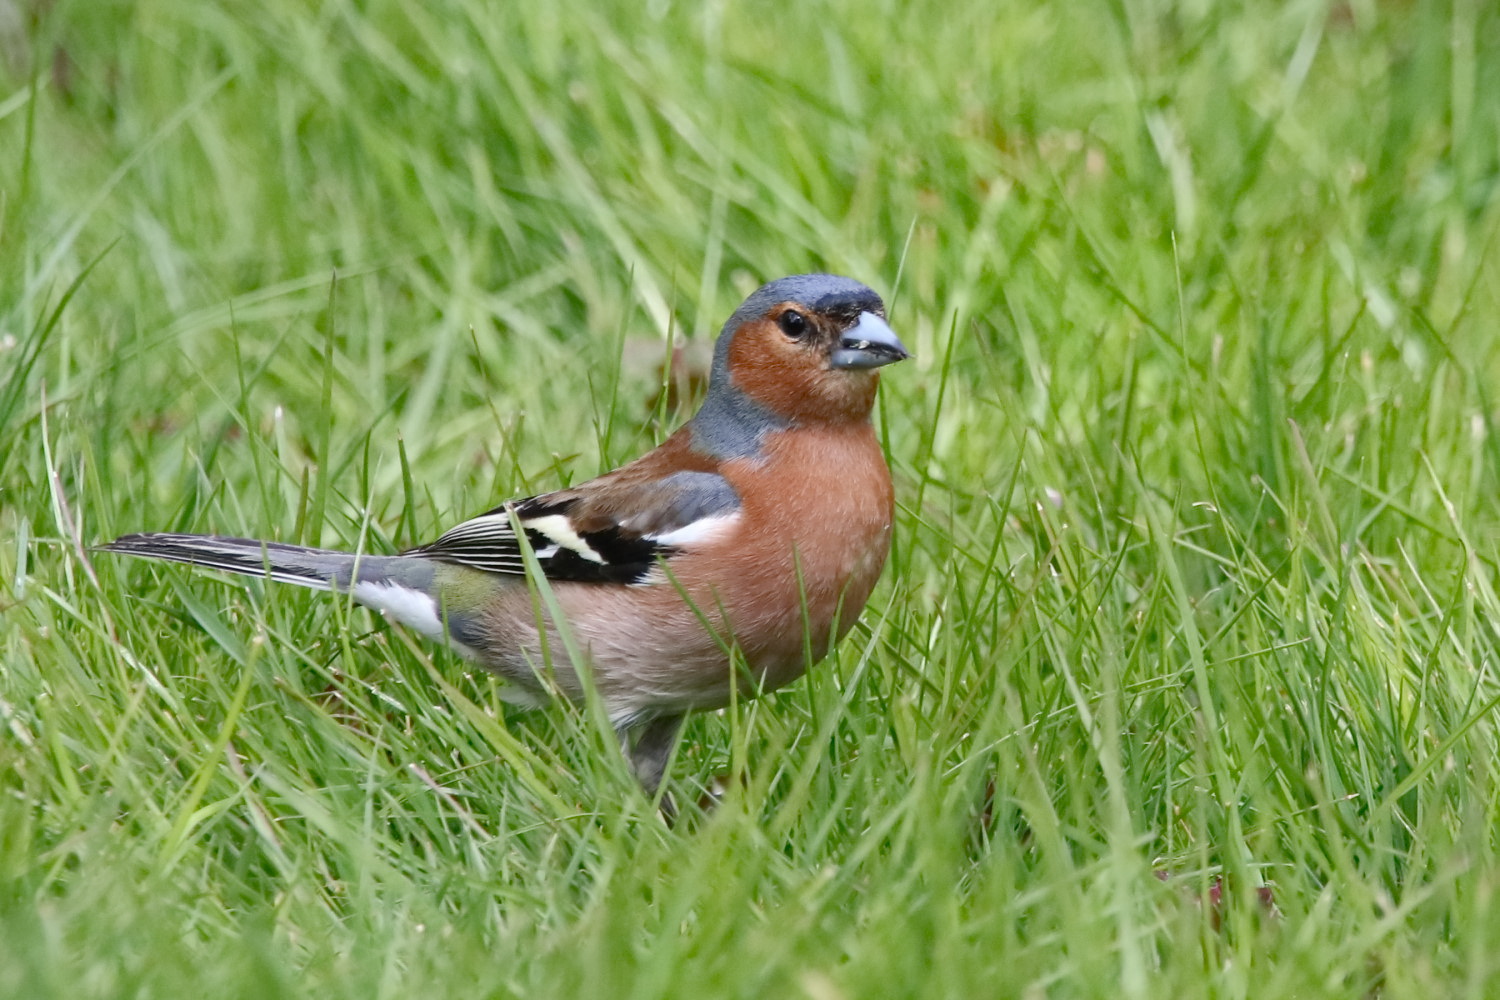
(761, 525)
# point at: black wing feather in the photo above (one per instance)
(611, 546)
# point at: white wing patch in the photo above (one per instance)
(616, 539)
(559, 529)
(699, 532)
(409, 607)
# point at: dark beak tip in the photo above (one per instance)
(866, 356)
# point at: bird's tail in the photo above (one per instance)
(320, 569)
(401, 586)
(404, 587)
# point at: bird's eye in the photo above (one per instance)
(793, 324)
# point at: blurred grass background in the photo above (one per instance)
(1197, 463)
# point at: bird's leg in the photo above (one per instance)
(651, 748)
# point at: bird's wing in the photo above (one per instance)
(601, 532)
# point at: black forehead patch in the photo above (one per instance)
(858, 299)
(847, 310)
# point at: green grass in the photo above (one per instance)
(1197, 464)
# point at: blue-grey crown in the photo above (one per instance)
(818, 292)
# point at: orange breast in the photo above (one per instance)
(815, 533)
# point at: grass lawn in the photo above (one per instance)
(1192, 604)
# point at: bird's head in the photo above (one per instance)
(804, 349)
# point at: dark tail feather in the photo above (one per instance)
(320, 569)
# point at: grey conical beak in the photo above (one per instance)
(869, 343)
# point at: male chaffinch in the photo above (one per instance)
(762, 524)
